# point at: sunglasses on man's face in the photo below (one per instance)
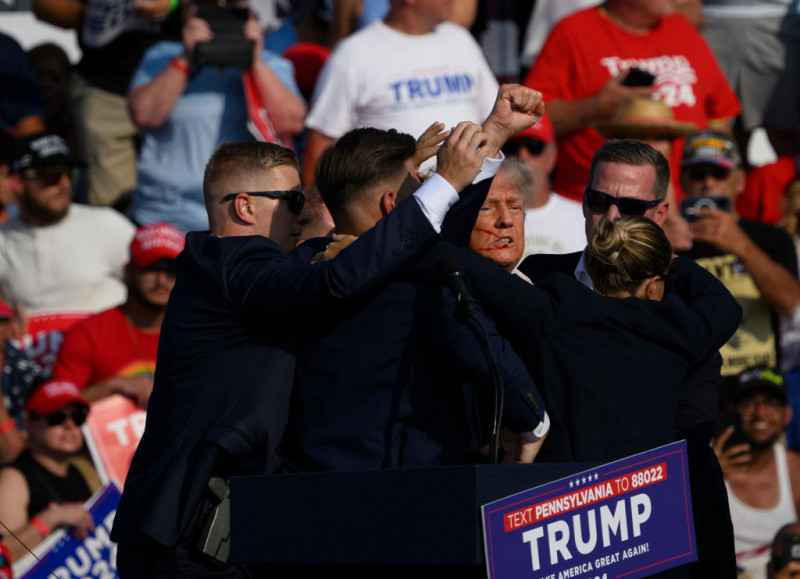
(600, 202)
(50, 176)
(700, 172)
(296, 199)
(60, 416)
(534, 146)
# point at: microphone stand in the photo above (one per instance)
(465, 306)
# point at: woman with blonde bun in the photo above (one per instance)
(629, 257)
(610, 362)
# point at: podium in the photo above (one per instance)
(409, 520)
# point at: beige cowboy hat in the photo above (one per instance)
(638, 117)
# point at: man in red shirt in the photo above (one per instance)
(114, 351)
(584, 64)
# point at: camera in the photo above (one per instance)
(228, 47)
(690, 207)
(638, 77)
(791, 547)
(791, 551)
(730, 418)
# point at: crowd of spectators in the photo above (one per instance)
(102, 173)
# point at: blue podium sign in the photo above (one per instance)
(629, 518)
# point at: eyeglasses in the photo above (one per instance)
(534, 146)
(295, 198)
(769, 402)
(700, 172)
(600, 202)
(60, 416)
(49, 176)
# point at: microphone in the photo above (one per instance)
(456, 279)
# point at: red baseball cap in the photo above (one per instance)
(53, 395)
(541, 131)
(308, 59)
(6, 311)
(154, 242)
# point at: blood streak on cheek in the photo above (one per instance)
(490, 247)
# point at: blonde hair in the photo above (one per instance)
(625, 252)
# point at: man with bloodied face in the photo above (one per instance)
(381, 384)
(499, 232)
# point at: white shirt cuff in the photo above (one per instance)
(436, 196)
(538, 432)
(490, 167)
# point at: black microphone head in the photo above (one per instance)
(449, 265)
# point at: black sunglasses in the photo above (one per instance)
(700, 172)
(60, 416)
(600, 202)
(50, 176)
(534, 146)
(295, 198)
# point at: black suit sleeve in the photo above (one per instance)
(521, 310)
(459, 221)
(705, 295)
(698, 400)
(524, 407)
(698, 396)
(538, 266)
(516, 306)
(263, 281)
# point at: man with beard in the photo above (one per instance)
(58, 261)
(55, 254)
(761, 474)
(114, 352)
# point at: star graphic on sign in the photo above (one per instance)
(577, 482)
(595, 476)
(570, 484)
(584, 480)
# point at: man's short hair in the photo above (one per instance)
(241, 158)
(360, 160)
(638, 154)
(520, 176)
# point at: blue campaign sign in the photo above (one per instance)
(66, 557)
(630, 518)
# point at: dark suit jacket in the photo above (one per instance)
(381, 385)
(226, 362)
(696, 413)
(610, 368)
(699, 392)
